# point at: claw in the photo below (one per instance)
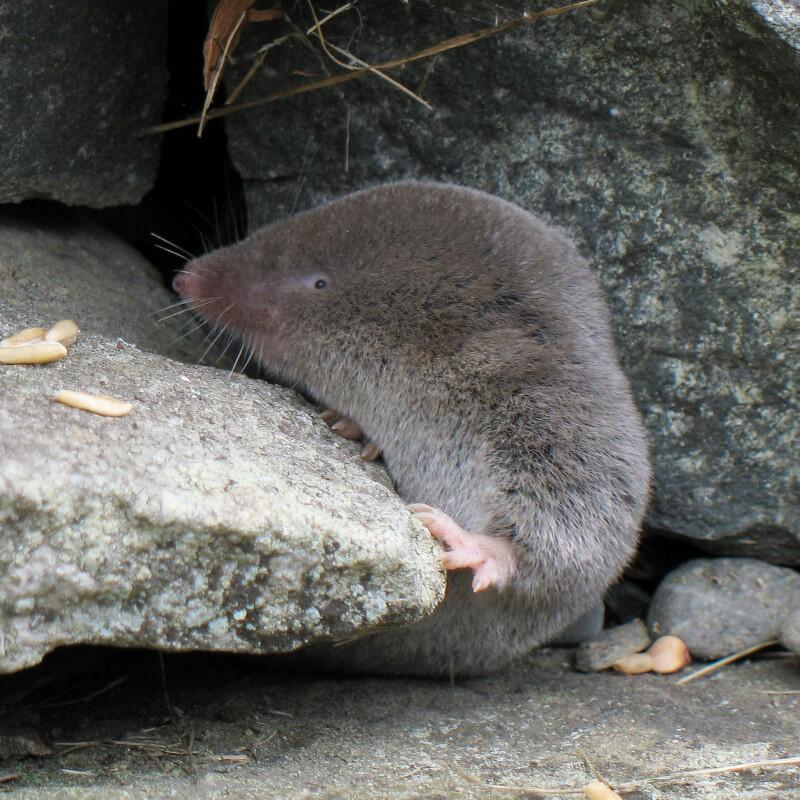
(371, 452)
(344, 426)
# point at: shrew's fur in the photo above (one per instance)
(471, 342)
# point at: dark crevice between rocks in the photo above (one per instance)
(197, 201)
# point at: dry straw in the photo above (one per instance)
(359, 72)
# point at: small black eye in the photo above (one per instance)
(321, 284)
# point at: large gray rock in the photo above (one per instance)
(790, 631)
(670, 153)
(79, 80)
(770, 32)
(220, 514)
(719, 606)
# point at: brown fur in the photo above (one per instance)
(472, 343)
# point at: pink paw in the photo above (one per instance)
(491, 559)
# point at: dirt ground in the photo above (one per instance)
(135, 724)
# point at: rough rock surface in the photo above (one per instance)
(220, 514)
(790, 631)
(770, 32)
(247, 734)
(722, 605)
(612, 645)
(79, 80)
(666, 139)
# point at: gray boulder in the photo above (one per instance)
(769, 30)
(790, 631)
(220, 514)
(722, 605)
(666, 139)
(79, 81)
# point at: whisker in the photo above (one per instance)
(172, 252)
(176, 313)
(171, 244)
(187, 272)
(195, 304)
(250, 356)
(190, 331)
(221, 331)
(171, 305)
(213, 342)
(198, 230)
(238, 356)
(217, 226)
(231, 340)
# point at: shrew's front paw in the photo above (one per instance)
(348, 428)
(344, 426)
(491, 559)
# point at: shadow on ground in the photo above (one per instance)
(135, 724)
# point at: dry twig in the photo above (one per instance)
(85, 698)
(226, 26)
(265, 50)
(354, 61)
(448, 44)
(714, 666)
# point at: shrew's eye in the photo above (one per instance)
(321, 283)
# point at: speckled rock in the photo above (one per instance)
(770, 32)
(79, 80)
(790, 631)
(722, 605)
(612, 645)
(221, 514)
(666, 139)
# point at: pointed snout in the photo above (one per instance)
(185, 284)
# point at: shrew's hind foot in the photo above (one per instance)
(491, 559)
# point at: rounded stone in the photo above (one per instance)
(723, 605)
(612, 645)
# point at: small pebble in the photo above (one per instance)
(719, 606)
(611, 646)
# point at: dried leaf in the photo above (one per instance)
(227, 22)
(223, 22)
(264, 16)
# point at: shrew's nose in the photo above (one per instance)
(183, 282)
